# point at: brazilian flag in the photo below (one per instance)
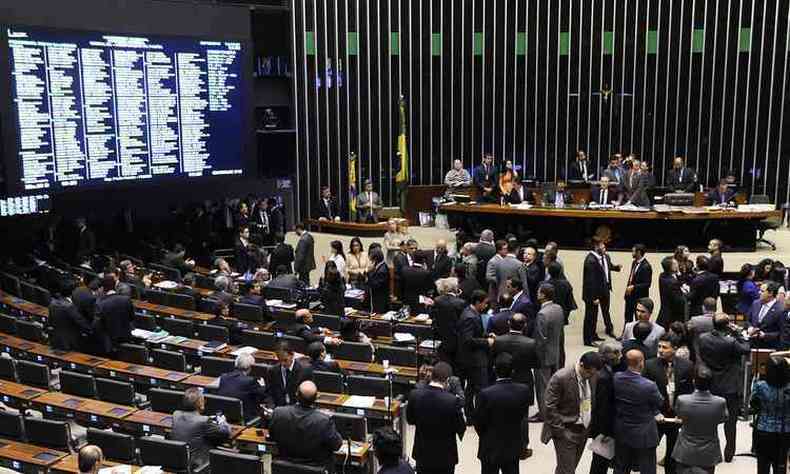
(402, 178)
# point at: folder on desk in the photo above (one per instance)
(358, 401)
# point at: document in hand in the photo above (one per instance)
(603, 446)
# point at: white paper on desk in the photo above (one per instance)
(141, 333)
(167, 285)
(122, 469)
(274, 302)
(422, 317)
(150, 470)
(245, 350)
(404, 337)
(603, 446)
(358, 401)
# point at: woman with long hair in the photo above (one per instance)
(748, 292)
(337, 256)
(356, 262)
(685, 264)
(332, 290)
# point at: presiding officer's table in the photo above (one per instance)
(574, 226)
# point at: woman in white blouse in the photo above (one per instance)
(337, 256)
(357, 260)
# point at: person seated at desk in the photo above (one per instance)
(319, 361)
(200, 432)
(519, 193)
(489, 193)
(651, 179)
(604, 194)
(350, 331)
(303, 433)
(681, 179)
(557, 195)
(506, 177)
(285, 376)
(485, 172)
(368, 204)
(581, 169)
(722, 195)
(388, 446)
(332, 290)
(239, 384)
(177, 259)
(224, 290)
(252, 295)
(458, 176)
(221, 267)
(327, 207)
(614, 171)
(128, 275)
(300, 326)
(90, 459)
(635, 186)
(286, 280)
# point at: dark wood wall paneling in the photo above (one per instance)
(708, 81)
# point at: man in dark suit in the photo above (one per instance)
(301, 327)
(473, 346)
(415, 281)
(680, 178)
(304, 257)
(766, 318)
(602, 422)
(704, 285)
(114, 315)
(721, 351)
(177, 259)
(438, 420)
(716, 264)
(522, 302)
(638, 402)
(276, 217)
(635, 186)
(327, 208)
(596, 286)
(378, 293)
(261, 222)
(285, 376)
(570, 402)
(563, 291)
(239, 384)
(201, 432)
(84, 298)
(286, 280)
(484, 251)
(722, 194)
(442, 264)
(614, 172)
(532, 272)
(500, 410)
(581, 169)
(303, 433)
(283, 254)
(673, 300)
(604, 194)
(316, 351)
(445, 314)
(498, 322)
(673, 377)
(557, 195)
(639, 281)
(485, 172)
(519, 194)
(68, 325)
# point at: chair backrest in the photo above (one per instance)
(7, 324)
(155, 296)
(262, 340)
(116, 447)
(75, 383)
(10, 284)
(327, 321)
(52, 434)
(419, 331)
(351, 425)
(165, 401)
(178, 327)
(173, 456)
(30, 330)
(247, 312)
(8, 369)
(368, 386)
(32, 373)
(235, 462)
(376, 328)
(212, 332)
(28, 291)
(41, 296)
(145, 321)
(115, 391)
(330, 382)
(215, 366)
(357, 351)
(281, 466)
(11, 426)
(207, 305)
(760, 199)
(169, 272)
(169, 360)
(403, 356)
(133, 353)
(179, 300)
(230, 407)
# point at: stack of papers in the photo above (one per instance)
(430, 344)
(404, 337)
(422, 317)
(167, 285)
(388, 316)
(355, 293)
(245, 350)
(358, 401)
(274, 302)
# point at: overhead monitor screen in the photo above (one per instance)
(24, 205)
(94, 108)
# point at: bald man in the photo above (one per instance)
(637, 404)
(304, 434)
(89, 459)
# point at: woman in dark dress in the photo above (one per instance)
(332, 290)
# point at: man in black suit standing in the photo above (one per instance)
(304, 257)
(442, 264)
(261, 221)
(484, 251)
(84, 298)
(722, 194)
(445, 314)
(486, 171)
(673, 377)
(378, 293)
(704, 285)
(524, 352)
(766, 318)
(283, 254)
(438, 420)
(68, 325)
(680, 178)
(596, 286)
(285, 376)
(303, 433)
(603, 416)
(473, 349)
(327, 207)
(500, 409)
(239, 384)
(639, 281)
(114, 315)
(673, 300)
(415, 281)
(581, 169)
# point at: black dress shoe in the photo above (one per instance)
(597, 338)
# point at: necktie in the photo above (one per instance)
(603, 196)
(634, 266)
(605, 266)
(763, 310)
(670, 384)
(285, 385)
(681, 175)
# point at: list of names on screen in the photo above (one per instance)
(96, 108)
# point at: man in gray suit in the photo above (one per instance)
(570, 401)
(304, 257)
(635, 186)
(549, 335)
(702, 324)
(698, 445)
(501, 267)
(201, 432)
(368, 204)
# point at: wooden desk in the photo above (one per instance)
(142, 374)
(356, 229)
(18, 305)
(27, 458)
(77, 361)
(147, 422)
(256, 441)
(574, 226)
(17, 347)
(85, 410)
(336, 402)
(167, 311)
(17, 395)
(68, 465)
(198, 380)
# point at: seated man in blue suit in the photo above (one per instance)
(722, 194)
(765, 318)
(239, 384)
